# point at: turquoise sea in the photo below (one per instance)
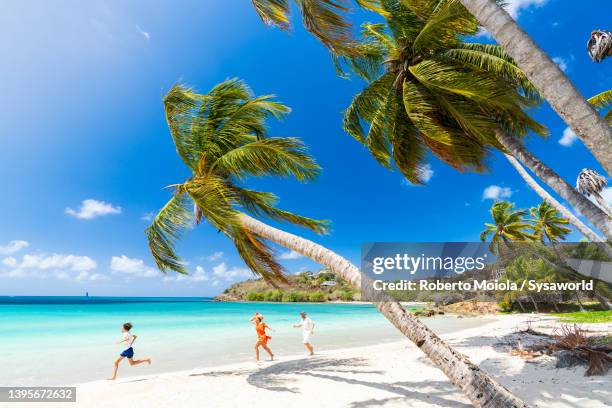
(67, 340)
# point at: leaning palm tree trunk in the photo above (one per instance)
(480, 388)
(548, 78)
(593, 213)
(580, 226)
(603, 204)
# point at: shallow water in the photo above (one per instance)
(59, 341)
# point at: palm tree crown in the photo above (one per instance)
(222, 138)
(590, 182)
(509, 225)
(599, 45)
(548, 223)
(428, 89)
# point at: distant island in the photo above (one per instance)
(307, 286)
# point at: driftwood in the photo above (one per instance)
(574, 339)
(571, 345)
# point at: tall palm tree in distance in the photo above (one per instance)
(221, 137)
(557, 88)
(509, 225)
(548, 224)
(547, 197)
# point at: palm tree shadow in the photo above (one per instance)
(275, 378)
(528, 375)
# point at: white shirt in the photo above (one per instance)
(130, 339)
(307, 325)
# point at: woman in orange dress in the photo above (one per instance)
(262, 337)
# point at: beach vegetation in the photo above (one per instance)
(317, 297)
(599, 316)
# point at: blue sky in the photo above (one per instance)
(85, 151)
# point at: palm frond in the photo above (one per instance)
(492, 58)
(258, 256)
(408, 150)
(402, 21)
(165, 229)
(447, 22)
(273, 156)
(215, 201)
(602, 100)
(364, 106)
(325, 20)
(261, 203)
(478, 86)
(273, 12)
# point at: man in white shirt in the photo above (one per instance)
(307, 326)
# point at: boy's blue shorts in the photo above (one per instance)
(129, 353)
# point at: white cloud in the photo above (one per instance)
(59, 266)
(93, 208)
(148, 216)
(87, 276)
(13, 246)
(426, 174)
(222, 271)
(568, 138)
(74, 263)
(142, 32)
(494, 192)
(62, 275)
(199, 275)
(514, 7)
(132, 266)
(10, 262)
(215, 257)
(561, 62)
(290, 255)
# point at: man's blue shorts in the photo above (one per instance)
(129, 353)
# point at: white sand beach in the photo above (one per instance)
(388, 375)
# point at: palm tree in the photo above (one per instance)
(440, 93)
(221, 137)
(558, 90)
(589, 182)
(600, 45)
(545, 195)
(509, 225)
(548, 224)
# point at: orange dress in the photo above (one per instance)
(263, 338)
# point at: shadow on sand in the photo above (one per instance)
(277, 378)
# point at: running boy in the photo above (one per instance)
(127, 341)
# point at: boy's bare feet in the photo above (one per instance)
(149, 360)
(111, 379)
